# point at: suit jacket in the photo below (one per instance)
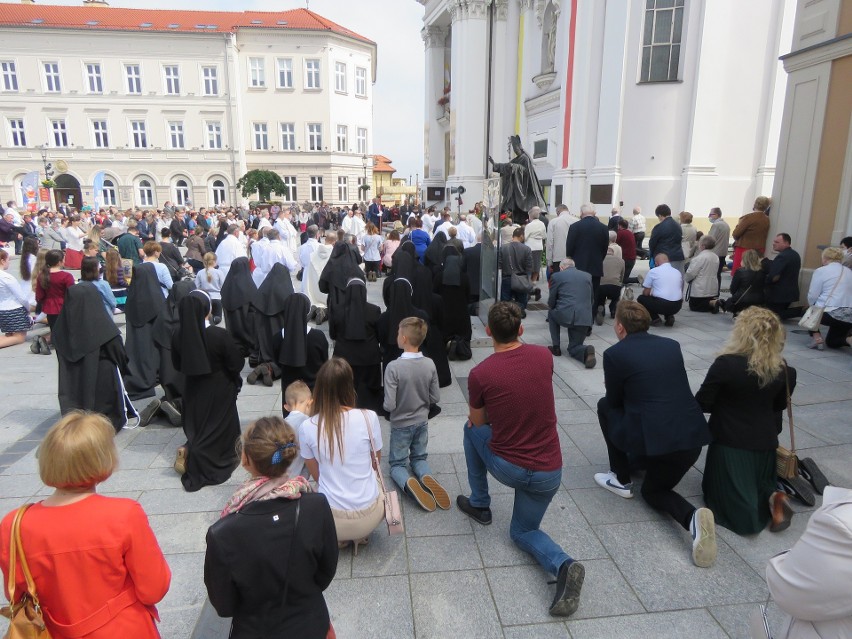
(666, 238)
(650, 407)
(249, 561)
(557, 235)
(586, 244)
(811, 581)
(374, 214)
(782, 280)
(570, 298)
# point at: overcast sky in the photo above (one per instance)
(394, 25)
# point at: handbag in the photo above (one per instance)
(518, 282)
(812, 318)
(786, 462)
(627, 294)
(25, 615)
(393, 512)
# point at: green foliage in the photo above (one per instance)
(264, 183)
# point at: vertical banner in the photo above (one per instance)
(29, 189)
(98, 190)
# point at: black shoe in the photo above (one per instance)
(313, 313)
(537, 294)
(481, 515)
(523, 313)
(569, 583)
(656, 322)
(253, 376)
(216, 320)
(266, 370)
(321, 316)
(171, 412)
(669, 320)
(811, 472)
(43, 345)
(714, 308)
(589, 360)
(555, 351)
(147, 413)
(798, 488)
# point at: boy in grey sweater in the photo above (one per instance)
(411, 386)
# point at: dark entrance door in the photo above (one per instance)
(67, 191)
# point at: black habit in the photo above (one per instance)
(145, 301)
(301, 350)
(238, 292)
(167, 322)
(269, 314)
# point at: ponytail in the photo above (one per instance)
(51, 260)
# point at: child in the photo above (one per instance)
(297, 400)
(411, 386)
(210, 280)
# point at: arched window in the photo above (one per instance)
(109, 193)
(182, 193)
(145, 193)
(218, 189)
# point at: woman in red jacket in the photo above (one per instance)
(52, 283)
(96, 564)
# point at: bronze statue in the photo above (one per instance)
(520, 189)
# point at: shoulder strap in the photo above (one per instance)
(373, 452)
(16, 552)
(790, 410)
(834, 288)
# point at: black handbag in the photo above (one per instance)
(518, 282)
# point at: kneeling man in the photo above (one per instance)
(570, 302)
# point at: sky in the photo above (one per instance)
(394, 25)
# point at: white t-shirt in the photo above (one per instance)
(665, 282)
(349, 482)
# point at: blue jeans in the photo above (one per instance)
(533, 492)
(508, 295)
(405, 442)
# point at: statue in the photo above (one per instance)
(520, 189)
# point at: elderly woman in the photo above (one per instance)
(689, 241)
(95, 561)
(831, 289)
(701, 276)
(535, 233)
(745, 391)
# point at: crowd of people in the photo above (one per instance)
(255, 287)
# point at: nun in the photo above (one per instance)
(399, 306)
(238, 292)
(452, 286)
(341, 267)
(211, 361)
(433, 254)
(145, 301)
(165, 326)
(269, 320)
(301, 349)
(91, 358)
(354, 329)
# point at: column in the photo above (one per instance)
(434, 156)
(503, 77)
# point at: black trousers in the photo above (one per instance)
(783, 310)
(722, 260)
(608, 292)
(837, 331)
(628, 268)
(700, 304)
(658, 306)
(662, 473)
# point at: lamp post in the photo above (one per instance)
(48, 167)
(365, 160)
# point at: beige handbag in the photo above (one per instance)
(393, 511)
(786, 462)
(812, 318)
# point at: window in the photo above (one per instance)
(94, 79)
(661, 40)
(138, 134)
(316, 188)
(10, 75)
(340, 77)
(218, 190)
(51, 77)
(100, 134)
(182, 193)
(16, 130)
(361, 82)
(172, 75)
(343, 189)
(261, 136)
(288, 136)
(290, 183)
(176, 135)
(361, 183)
(362, 141)
(60, 133)
(145, 193)
(109, 193)
(341, 138)
(211, 80)
(285, 73)
(312, 74)
(214, 135)
(133, 73)
(315, 137)
(540, 149)
(257, 73)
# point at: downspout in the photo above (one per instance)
(489, 97)
(232, 145)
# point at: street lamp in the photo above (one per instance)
(365, 161)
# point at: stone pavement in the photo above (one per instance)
(448, 576)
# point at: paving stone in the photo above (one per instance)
(371, 608)
(419, 523)
(172, 531)
(537, 631)
(666, 625)
(20, 485)
(383, 555)
(456, 601)
(176, 500)
(758, 549)
(829, 421)
(187, 589)
(444, 553)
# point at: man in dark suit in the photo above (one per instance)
(586, 244)
(178, 228)
(666, 237)
(782, 278)
(374, 213)
(650, 412)
(570, 302)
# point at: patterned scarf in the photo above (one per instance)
(264, 489)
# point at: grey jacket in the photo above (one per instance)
(721, 232)
(570, 298)
(702, 273)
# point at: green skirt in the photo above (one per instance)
(737, 485)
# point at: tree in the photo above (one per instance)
(262, 182)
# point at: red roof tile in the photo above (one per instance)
(381, 164)
(114, 18)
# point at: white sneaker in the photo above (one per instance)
(611, 483)
(703, 530)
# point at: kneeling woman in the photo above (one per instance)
(274, 551)
(336, 449)
(211, 361)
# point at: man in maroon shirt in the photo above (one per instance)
(627, 242)
(516, 441)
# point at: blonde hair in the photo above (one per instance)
(759, 337)
(334, 389)
(751, 260)
(296, 392)
(78, 451)
(39, 266)
(209, 263)
(414, 329)
(762, 203)
(832, 254)
(685, 217)
(263, 439)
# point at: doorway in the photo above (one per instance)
(67, 191)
